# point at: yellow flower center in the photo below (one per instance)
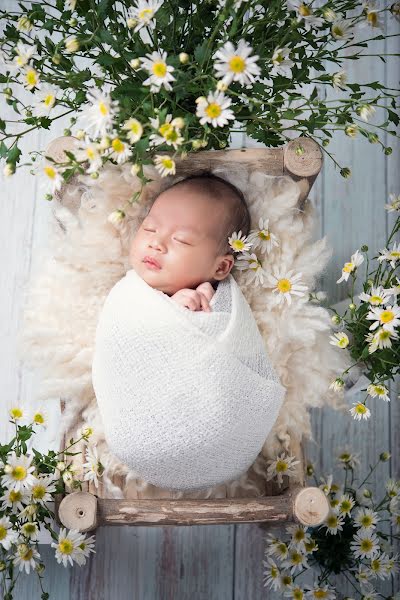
(49, 100)
(304, 11)
(213, 110)
(284, 285)
(38, 492)
(145, 14)
(135, 127)
(297, 594)
(29, 528)
(379, 390)
(384, 334)
(168, 163)
(278, 57)
(366, 545)
(237, 64)
(165, 129)
(15, 496)
(387, 316)
(31, 77)
(238, 244)
(394, 254)
(159, 69)
(372, 18)
(348, 267)
(16, 413)
(27, 554)
(282, 548)
(3, 532)
(117, 145)
(361, 409)
(281, 466)
(90, 153)
(274, 572)
(345, 506)
(376, 300)
(38, 418)
(296, 558)
(332, 521)
(337, 30)
(50, 172)
(342, 343)
(286, 579)
(366, 521)
(299, 535)
(103, 109)
(65, 546)
(264, 235)
(19, 473)
(20, 61)
(320, 593)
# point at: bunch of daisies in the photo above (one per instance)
(285, 283)
(29, 481)
(373, 324)
(158, 76)
(349, 542)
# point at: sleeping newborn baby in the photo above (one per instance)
(185, 388)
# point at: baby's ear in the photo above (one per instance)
(224, 267)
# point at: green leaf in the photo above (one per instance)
(14, 154)
(394, 117)
(2, 125)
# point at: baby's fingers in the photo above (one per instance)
(204, 302)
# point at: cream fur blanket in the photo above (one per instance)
(187, 398)
(85, 256)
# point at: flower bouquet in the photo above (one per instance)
(29, 482)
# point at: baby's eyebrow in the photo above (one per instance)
(190, 229)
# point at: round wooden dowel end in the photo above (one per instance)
(57, 146)
(311, 506)
(78, 511)
(302, 157)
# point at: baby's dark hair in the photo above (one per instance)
(217, 188)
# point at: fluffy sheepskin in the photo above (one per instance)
(87, 255)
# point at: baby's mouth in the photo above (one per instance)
(151, 263)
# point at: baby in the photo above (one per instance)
(181, 248)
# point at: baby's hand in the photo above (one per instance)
(197, 299)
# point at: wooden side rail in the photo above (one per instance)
(84, 511)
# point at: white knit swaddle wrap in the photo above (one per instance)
(187, 398)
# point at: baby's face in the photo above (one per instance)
(181, 233)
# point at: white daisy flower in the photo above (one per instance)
(365, 518)
(346, 503)
(295, 561)
(333, 522)
(339, 80)
(143, 13)
(26, 557)
(169, 133)
(373, 18)
(392, 488)
(86, 547)
(337, 385)
(305, 13)
(349, 459)
(214, 109)
(319, 591)
(116, 217)
(28, 513)
(363, 576)
(71, 44)
(281, 465)
(378, 566)
(349, 267)
(40, 417)
(30, 530)
(388, 317)
(239, 242)
(250, 263)
(286, 580)
(24, 54)
(51, 178)
(366, 111)
(24, 24)
(98, 117)
(339, 339)
(295, 592)
(342, 29)
(93, 464)
(378, 390)
(45, 99)
(395, 520)
(160, 73)
(134, 129)
(286, 284)
(381, 338)
(378, 295)
(271, 574)
(17, 413)
(391, 255)
(31, 78)
(276, 547)
(326, 486)
(394, 203)
(164, 165)
(395, 290)
(88, 151)
(236, 64)
(364, 497)
(42, 488)
(119, 150)
(393, 564)
(18, 472)
(299, 537)
(365, 544)
(68, 546)
(360, 411)
(262, 237)
(7, 534)
(14, 500)
(282, 64)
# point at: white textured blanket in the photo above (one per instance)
(187, 398)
